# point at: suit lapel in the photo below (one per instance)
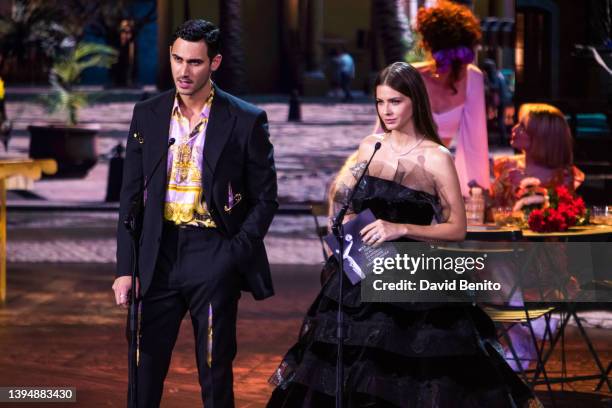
(220, 124)
(160, 135)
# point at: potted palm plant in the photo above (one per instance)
(73, 146)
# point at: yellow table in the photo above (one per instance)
(492, 232)
(596, 232)
(567, 310)
(31, 169)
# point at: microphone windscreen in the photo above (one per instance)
(377, 146)
(171, 141)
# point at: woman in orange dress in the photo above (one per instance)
(544, 137)
(545, 162)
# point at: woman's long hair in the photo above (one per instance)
(405, 79)
(549, 133)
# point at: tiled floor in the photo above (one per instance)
(59, 327)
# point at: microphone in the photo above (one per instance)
(133, 224)
(338, 232)
(163, 155)
(133, 219)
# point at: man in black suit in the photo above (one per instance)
(207, 207)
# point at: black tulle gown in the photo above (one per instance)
(396, 354)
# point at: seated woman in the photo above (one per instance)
(402, 353)
(544, 137)
(546, 161)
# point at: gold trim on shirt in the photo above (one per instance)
(185, 170)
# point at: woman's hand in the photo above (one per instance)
(380, 231)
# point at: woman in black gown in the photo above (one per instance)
(400, 354)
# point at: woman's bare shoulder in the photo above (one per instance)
(474, 70)
(370, 141)
(366, 146)
(434, 147)
(437, 154)
(424, 67)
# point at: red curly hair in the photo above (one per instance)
(448, 25)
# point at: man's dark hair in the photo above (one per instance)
(200, 30)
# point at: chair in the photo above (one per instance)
(503, 314)
(566, 311)
(506, 316)
(320, 210)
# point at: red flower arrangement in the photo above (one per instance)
(565, 211)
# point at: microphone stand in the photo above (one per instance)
(338, 231)
(133, 224)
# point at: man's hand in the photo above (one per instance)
(122, 287)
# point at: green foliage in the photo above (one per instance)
(32, 25)
(69, 68)
(66, 72)
(416, 52)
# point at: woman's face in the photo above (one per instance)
(520, 139)
(394, 108)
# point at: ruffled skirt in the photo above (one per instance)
(396, 355)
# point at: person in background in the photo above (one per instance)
(497, 96)
(333, 73)
(450, 32)
(5, 123)
(543, 136)
(346, 70)
(341, 68)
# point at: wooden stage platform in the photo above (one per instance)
(60, 327)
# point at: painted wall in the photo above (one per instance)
(146, 46)
(261, 43)
(261, 20)
(343, 19)
(146, 54)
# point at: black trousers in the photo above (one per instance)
(195, 273)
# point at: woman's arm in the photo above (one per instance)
(453, 228)
(346, 180)
(472, 153)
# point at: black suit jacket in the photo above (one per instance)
(237, 153)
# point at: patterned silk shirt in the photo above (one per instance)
(184, 203)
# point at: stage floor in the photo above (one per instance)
(60, 327)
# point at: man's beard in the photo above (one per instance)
(193, 90)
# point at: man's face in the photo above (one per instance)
(191, 67)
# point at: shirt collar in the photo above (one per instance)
(205, 110)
